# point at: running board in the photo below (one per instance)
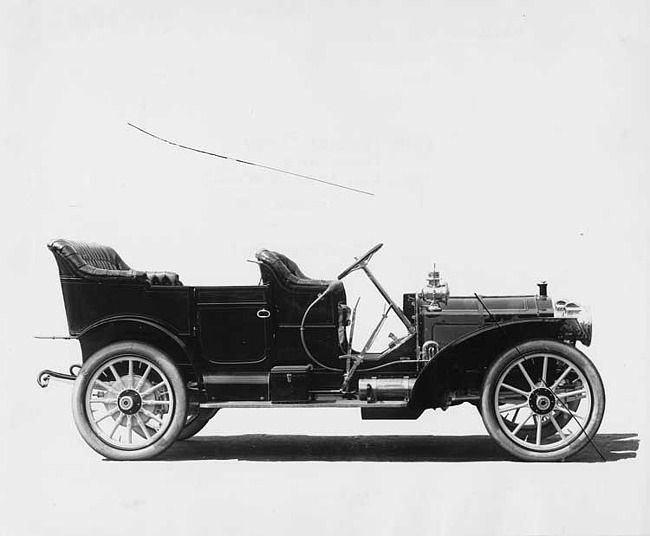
(315, 404)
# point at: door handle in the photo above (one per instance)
(263, 313)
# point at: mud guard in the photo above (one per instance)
(476, 349)
(139, 328)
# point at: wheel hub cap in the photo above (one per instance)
(542, 401)
(129, 402)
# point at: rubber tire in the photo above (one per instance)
(176, 382)
(577, 359)
(196, 423)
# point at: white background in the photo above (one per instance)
(506, 141)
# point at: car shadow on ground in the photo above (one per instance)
(386, 448)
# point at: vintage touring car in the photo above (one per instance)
(161, 358)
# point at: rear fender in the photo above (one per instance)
(461, 365)
(142, 329)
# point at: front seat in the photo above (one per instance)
(292, 291)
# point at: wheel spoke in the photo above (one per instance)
(569, 412)
(152, 389)
(515, 389)
(103, 400)
(131, 373)
(521, 424)
(129, 429)
(568, 369)
(557, 427)
(544, 369)
(572, 393)
(538, 438)
(525, 373)
(118, 378)
(107, 387)
(105, 416)
(143, 378)
(510, 408)
(117, 425)
(152, 416)
(142, 426)
(156, 402)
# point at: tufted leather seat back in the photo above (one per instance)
(285, 270)
(101, 263)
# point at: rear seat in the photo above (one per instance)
(95, 262)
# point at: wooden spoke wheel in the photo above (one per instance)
(542, 400)
(129, 401)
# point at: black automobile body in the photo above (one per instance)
(160, 358)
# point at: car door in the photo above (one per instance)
(234, 324)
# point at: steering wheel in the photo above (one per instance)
(360, 262)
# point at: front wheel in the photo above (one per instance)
(129, 401)
(542, 400)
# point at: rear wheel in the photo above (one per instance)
(129, 401)
(542, 400)
(196, 421)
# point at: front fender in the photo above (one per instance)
(462, 364)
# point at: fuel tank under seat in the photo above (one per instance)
(95, 262)
(293, 291)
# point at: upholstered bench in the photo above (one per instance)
(95, 262)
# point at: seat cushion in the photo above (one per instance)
(167, 279)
